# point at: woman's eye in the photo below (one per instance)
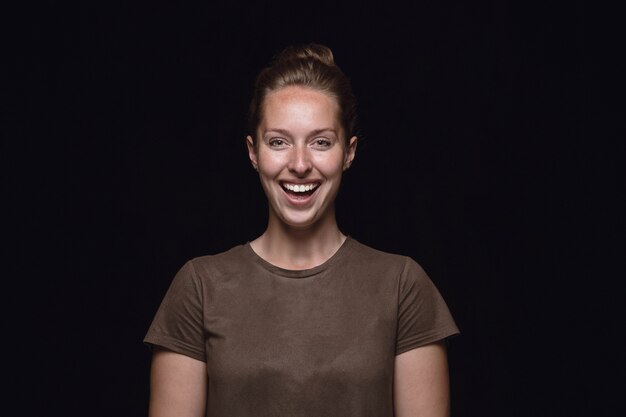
(276, 142)
(322, 143)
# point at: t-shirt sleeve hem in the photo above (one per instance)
(423, 341)
(174, 345)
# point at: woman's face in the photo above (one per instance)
(300, 155)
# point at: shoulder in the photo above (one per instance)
(213, 265)
(368, 253)
(230, 257)
(374, 259)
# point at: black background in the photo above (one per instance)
(123, 156)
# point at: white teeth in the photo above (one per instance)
(300, 188)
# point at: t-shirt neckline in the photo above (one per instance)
(300, 273)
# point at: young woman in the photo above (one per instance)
(302, 321)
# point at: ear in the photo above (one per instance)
(252, 152)
(350, 153)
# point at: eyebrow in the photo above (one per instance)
(287, 133)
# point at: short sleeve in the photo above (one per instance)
(423, 316)
(178, 324)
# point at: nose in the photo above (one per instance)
(300, 161)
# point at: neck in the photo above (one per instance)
(292, 248)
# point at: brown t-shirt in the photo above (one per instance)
(315, 342)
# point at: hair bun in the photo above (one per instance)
(313, 51)
(312, 66)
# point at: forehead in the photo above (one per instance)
(301, 104)
(300, 91)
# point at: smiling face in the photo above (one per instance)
(300, 153)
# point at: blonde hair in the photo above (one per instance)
(312, 66)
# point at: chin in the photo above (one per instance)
(299, 223)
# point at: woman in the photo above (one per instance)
(302, 321)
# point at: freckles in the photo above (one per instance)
(270, 164)
(276, 161)
(329, 164)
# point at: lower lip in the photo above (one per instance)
(300, 200)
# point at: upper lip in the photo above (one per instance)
(299, 182)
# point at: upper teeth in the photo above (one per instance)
(300, 188)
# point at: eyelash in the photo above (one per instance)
(322, 142)
(278, 142)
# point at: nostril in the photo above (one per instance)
(300, 166)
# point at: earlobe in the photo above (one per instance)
(252, 152)
(350, 153)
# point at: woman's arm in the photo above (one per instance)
(178, 385)
(421, 382)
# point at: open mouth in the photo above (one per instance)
(299, 190)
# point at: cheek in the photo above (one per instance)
(330, 167)
(270, 165)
